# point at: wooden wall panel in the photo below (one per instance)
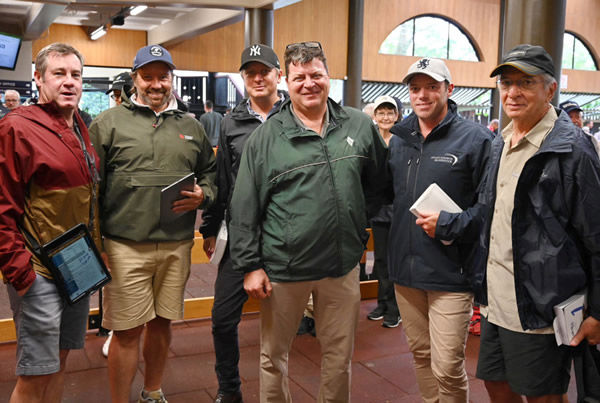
(583, 19)
(115, 49)
(479, 18)
(315, 20)
(215, 51)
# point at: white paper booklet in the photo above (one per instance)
(434, 200)
(220, 244)
(569, 315)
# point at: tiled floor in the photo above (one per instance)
(382, 368)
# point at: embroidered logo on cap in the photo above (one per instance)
(156, 51)
(423, 64)
(255, 50)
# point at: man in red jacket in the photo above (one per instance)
(49, 175)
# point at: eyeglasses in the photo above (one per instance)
(115, 97)
(385, 114)
(310, 45)
(524, 83)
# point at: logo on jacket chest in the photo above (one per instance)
(447, 158)
(185, 137)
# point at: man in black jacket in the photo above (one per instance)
(540, 243)
(428, 254)
(261, 72)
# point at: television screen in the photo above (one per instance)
(9, 50)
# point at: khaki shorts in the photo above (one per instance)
(148, 280)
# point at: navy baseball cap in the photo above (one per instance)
(152, 53)
(530, 59)
(569, 106)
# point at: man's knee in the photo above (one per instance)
(129, 337)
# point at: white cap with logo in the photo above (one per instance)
(434, 68)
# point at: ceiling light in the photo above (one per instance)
(137, 9)
(98, 33)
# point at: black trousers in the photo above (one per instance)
(226, 315)
(386, 296)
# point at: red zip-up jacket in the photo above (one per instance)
(46, 185)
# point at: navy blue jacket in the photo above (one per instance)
(555, 225)
(454, 155)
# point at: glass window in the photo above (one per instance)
(576, 55)
(429, 36)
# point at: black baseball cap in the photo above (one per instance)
(121, 80)
(152, 53)
(260, 53)
(569, 106)
(530, 59)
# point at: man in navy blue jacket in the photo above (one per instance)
(428, 255)
(541, 240)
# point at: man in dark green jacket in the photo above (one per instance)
(298, 219)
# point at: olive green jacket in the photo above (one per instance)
(140, 154)
(299, 204)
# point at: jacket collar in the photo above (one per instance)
(337, 116)
(240, 112)
(129, 104)
(51, 119)
(561, 137)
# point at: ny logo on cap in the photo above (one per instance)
(255, 50)
(423, 64)
(156, 51)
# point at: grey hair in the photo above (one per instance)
(62, 49)
(548, 80)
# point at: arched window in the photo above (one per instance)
(576, 54)
(429, 36)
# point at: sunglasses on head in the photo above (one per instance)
(313, 45)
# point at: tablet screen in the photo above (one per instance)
(79, 267)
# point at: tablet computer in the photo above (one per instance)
(171, 193)
(76, 264)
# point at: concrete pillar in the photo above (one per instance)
(353, 84)
(537, 22)
(258, 26)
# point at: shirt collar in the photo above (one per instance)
(538, 133)
(171, 106)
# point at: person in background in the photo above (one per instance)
(386, 115)
(574, 111)
(12, 99)
(298, 222)
(121, 83)
(369, 109)
(429, 255)
(211, 121)
(261, 72)
(540, 242)
(494, 124)
(49, 176)
(146, 144)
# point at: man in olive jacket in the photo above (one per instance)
(298, 219)
(145, 144)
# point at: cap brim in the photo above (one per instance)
(523, 67)
(435, 76)
(393, 105)
(269, 65)
(171, 65)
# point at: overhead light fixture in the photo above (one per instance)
(98, 33)
(137, 9)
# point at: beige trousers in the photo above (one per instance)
(336, 308)
(436, 327)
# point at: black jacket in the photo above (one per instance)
(555, 225)
(236, 127)
(454, 155)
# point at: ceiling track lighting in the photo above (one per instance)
(98, 33)
(137, 9)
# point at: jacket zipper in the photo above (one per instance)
(337, 212)
(414, 190)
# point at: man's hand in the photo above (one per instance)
(192, 200)
(257, 284)
(590, 330)
(209, 245)
(24, 290)
(428, 222)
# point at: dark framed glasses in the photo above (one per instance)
(310, 45)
